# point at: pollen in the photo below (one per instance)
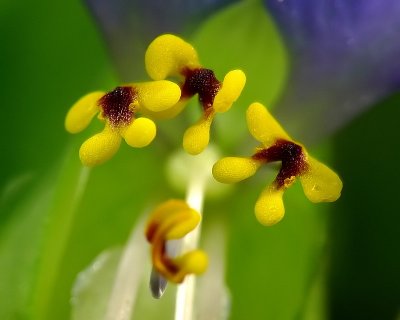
(172, 220)
(171, 56)
(121, 111)
(320, 183)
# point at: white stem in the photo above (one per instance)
(185, 292)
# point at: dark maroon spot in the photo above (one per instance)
(202, 82)
(115, 105)
(168, 262)
(290, 154)
(151, 230)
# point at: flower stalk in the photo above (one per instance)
(185, 293)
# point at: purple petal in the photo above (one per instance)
(345, 56)
(130, 25)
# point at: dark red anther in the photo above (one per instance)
(291, 156)
(116, 105)
(202, 82)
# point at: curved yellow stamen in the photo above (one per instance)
(173, 220)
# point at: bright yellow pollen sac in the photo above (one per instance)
(118, 109)
(234, 169)
(140, 133)
(174, 219)
(230, 91)
(320, 183)
(167, 55)
(263, 126)
(269, 208)
(158, 96)
(82, 112)
(100, 147)
(195, 262)
(197, 137)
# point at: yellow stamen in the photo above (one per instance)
(173, 220)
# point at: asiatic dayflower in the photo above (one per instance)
(171, 220)
(120, 109)
(170, 56)
(320, 183)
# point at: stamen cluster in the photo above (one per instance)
(129, 112)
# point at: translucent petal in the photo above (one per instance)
(263, 126)
(269, 207)
(230, 91)
(140, 133)
(320, 183)
(345, 57)
(82, 112)
(100, 147)
(234, 169)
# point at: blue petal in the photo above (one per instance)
(129, 26)
(345, 56)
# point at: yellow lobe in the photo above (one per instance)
(140, 133)
(181, 223)
(269, 208)
(168, 113)
(196, 137)
(230, 91)
(195, 261)
(158, 96)
(167, 55)
(82, 112)
(100, 147)
(234, 169)
(263, 126)
(320, 183)
(165, 209)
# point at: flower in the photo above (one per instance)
(338, 47)
(169, 55)
(119, 110)
(174, 219)
(320, 184)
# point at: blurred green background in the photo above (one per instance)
(327, 261)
